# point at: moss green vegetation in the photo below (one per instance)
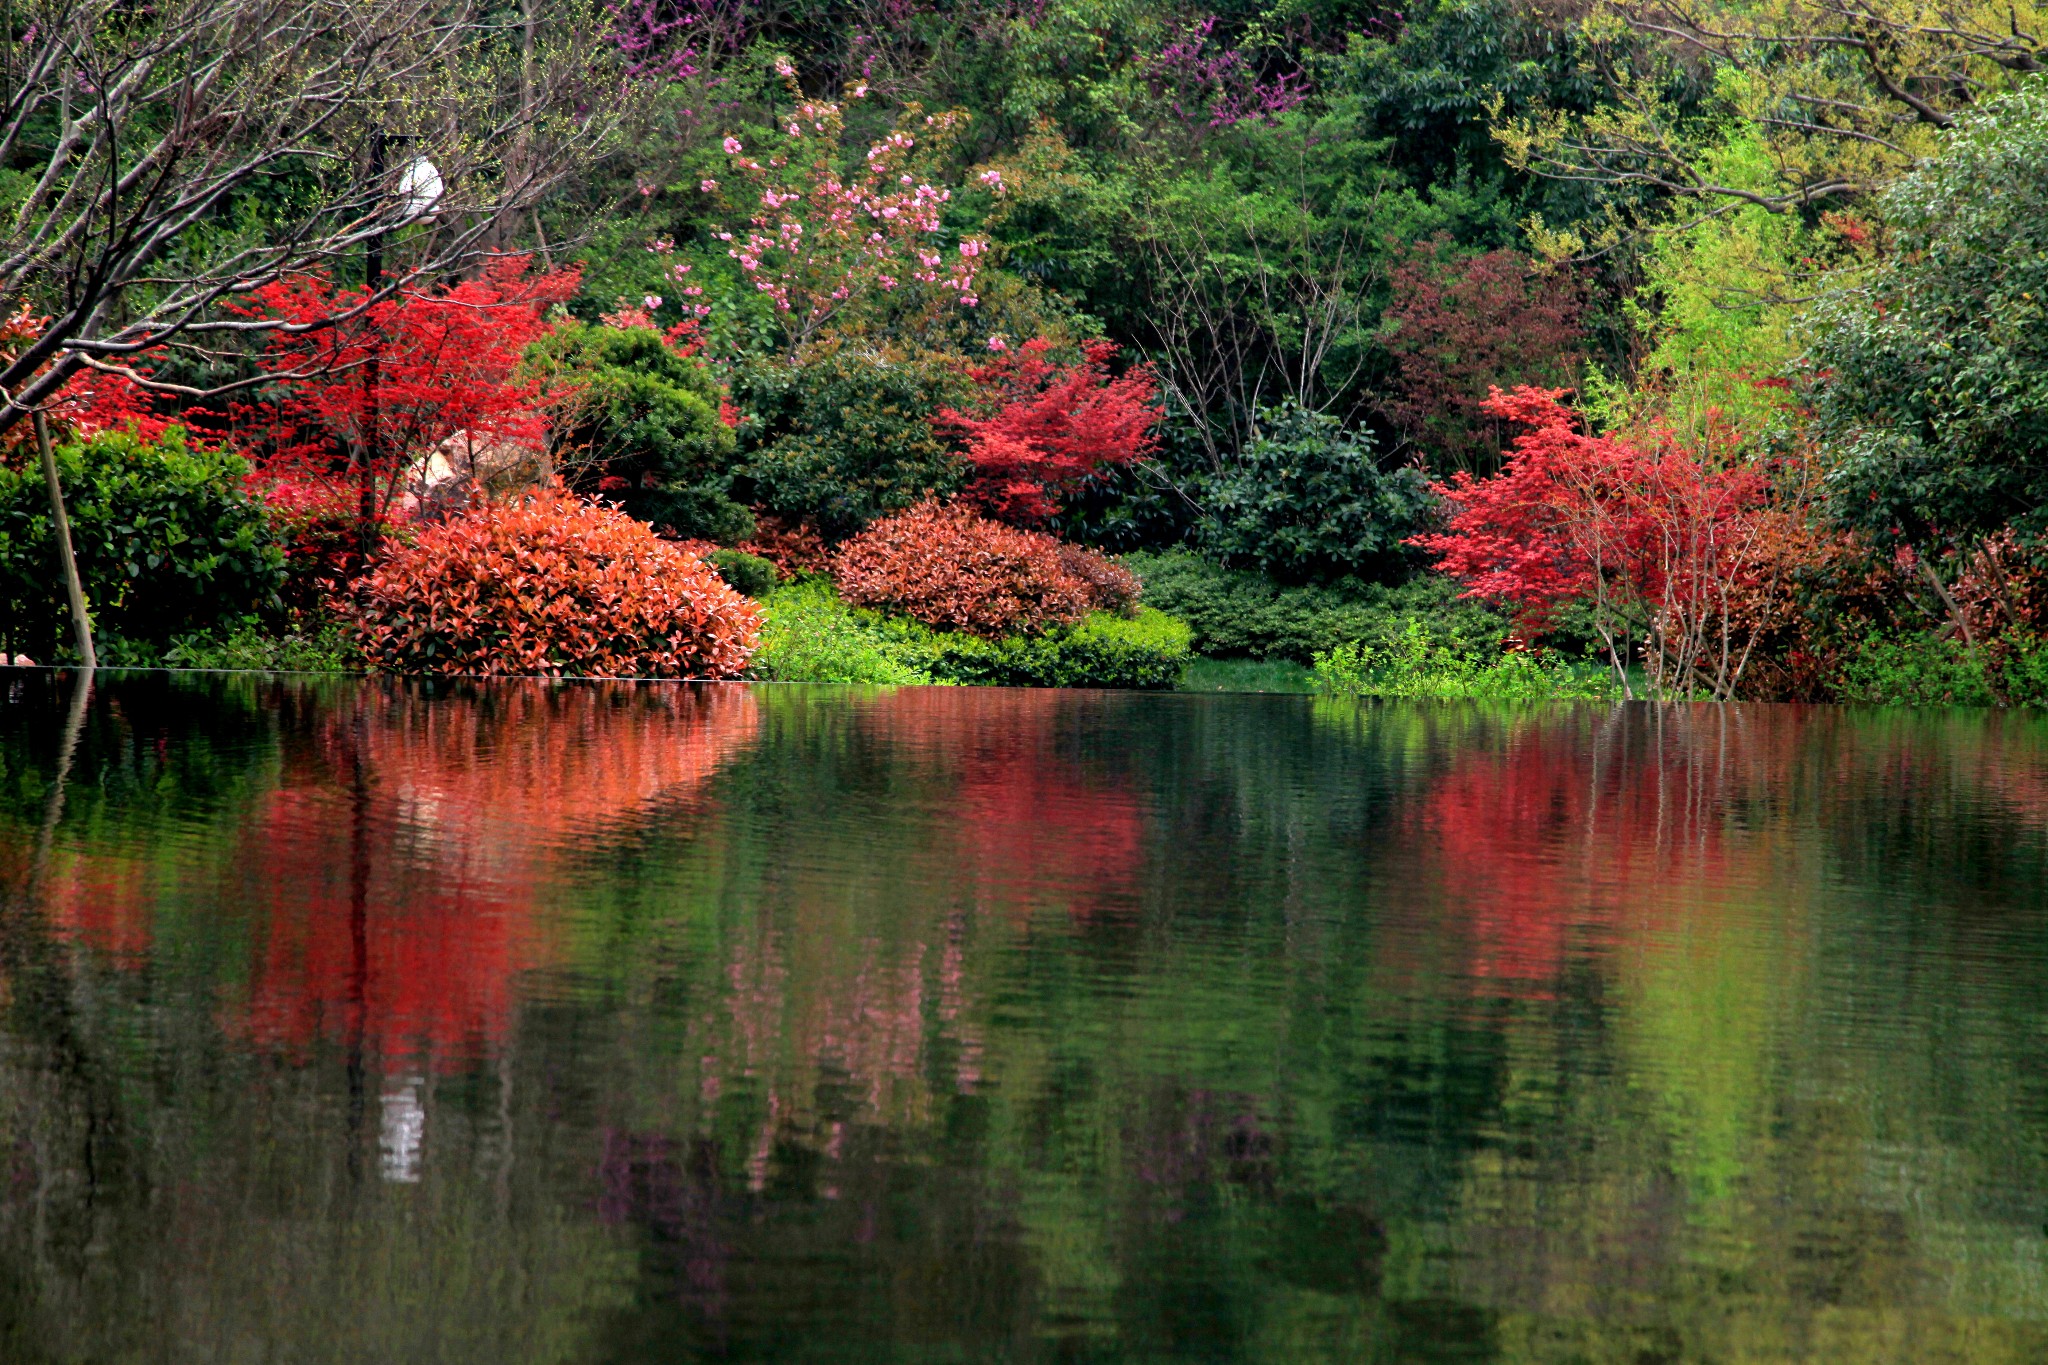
(1935, 670)
(1416, 665)
(810, 635)
(256, 644)
(1247, 675)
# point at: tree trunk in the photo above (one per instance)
(81, 619)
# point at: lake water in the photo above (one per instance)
(371, 1022)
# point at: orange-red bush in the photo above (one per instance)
(950, 568)
(552, 584)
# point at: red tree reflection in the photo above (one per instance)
(1031, 820)
(1543, 837)
(398, 870)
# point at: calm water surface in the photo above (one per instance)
(366, 1022)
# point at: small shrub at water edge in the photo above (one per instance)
(1415, 666)
(1145, 652)
(1939, 670)
(551, 584)
(1240, 613)
(253, 644)
(809, 635)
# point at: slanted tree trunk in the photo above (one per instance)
(81, 619)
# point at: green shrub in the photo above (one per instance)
(643, 428)
(168, 542)
(255, 645)
(1144, 652)
(809, 635)
(1238, 613)
(1917, 670)
(750, 574)
(846, 438)
(1415, 665)
(2023, 672)
(1247, 675)
(1307, 501)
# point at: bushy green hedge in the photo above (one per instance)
(1939, 670)
(1146, 652)
(646, 418)
(1239, 613)
(1308, 502)
(1415, 665)
(810, 635)
(168, 541)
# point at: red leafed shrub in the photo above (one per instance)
(950, 568)
(1111, 587)
(1052, 428)
(554, 585)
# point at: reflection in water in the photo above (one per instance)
(601, 1022)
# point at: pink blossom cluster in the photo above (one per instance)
(678, 271)
(818, 240)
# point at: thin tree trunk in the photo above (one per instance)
(81, 619)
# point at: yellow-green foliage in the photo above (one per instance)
(1842, 100)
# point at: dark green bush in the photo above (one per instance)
(169, 542)
(1306, 501)
(1235, 612)
(845, 438)
(746, 573)
(643, 428)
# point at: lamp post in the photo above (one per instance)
(419, 190)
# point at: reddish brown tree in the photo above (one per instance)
(1665, 547)
(1460, 325)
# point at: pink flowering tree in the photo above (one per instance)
(822, 241)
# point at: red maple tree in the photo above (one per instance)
(367, 400)
(1052, 427)
(1663, 544)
